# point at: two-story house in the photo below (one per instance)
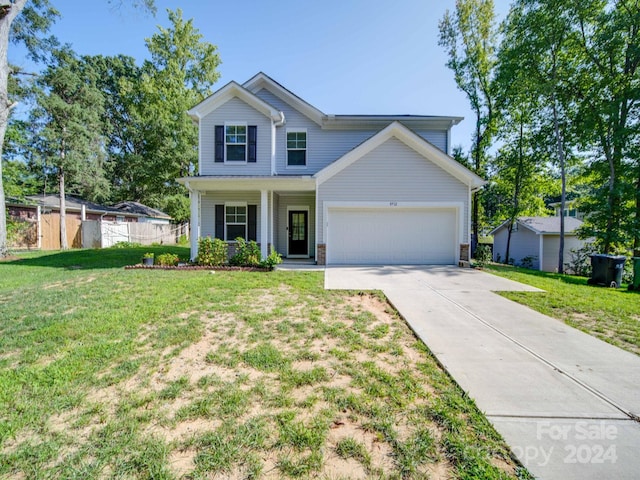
(343, 189)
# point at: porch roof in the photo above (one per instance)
(288, 183)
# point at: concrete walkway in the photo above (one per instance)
(567, 403)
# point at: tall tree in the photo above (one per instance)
(608, 95)
(180, 74)
(67, 123)
(469, 36)
(539, 46)
(25, 21)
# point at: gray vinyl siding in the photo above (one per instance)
(524, 243)
(283, 202)
(235, 110)
(208, 201)
(551, 248)
(393, 172)
(325, 146)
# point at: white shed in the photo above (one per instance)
(535, 242)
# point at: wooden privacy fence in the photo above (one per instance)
(50, 231)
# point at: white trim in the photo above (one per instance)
(286, 149)
(226, 93)
(271, 214)
(246, 219)
(264, 219)
(412, 140)
(458, 207)
(298, 208)
(541, 252)
(246, 143)
(200, 142)
(273, 148)
(260, 81)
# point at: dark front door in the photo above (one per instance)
(298, 232)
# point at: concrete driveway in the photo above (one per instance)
(567, 403)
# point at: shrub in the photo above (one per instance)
(211, 252)
(483, 255)
(183, 240)
(247, 253)
(126, 245)
(167, 259)
(580, 260)
(148, 255)
(272, 260)
(527, 262)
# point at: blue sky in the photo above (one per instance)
(342, 56)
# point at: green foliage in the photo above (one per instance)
(580, 260)
(67, 126)
(148, 255)
(17, 230)
(167, 259)
(212, 252)
(183, 240)
(123, 244)
(482, 255)
(247, 253)
(273, 259)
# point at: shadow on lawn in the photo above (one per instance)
(97, 258)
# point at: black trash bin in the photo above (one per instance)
(607, 270)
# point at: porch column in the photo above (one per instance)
(264, 222)
(194, 226)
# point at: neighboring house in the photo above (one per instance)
(147, 214)
(343, 189)
(570, 209)
(535, 242)
(88, 224)
(81, 209)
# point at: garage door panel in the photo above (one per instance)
(391, 236)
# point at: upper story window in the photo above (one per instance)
(236, 142)
(296, 148)
(235, 139)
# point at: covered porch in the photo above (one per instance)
(278, 212)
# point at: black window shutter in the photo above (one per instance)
(252, 222)
(219, 144)
(252, 144)
(220, 222)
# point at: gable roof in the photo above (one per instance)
(545, 225)
(226, 93)
(73, 203)
(412, 140)
(262, 80)
(140, 209)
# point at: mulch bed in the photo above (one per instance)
(224, 268)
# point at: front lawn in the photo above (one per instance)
(113, 373)
(612, 315)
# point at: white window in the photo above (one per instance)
(235, 221)
(235, 139)
(296, 148)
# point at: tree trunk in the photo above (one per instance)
(63, 211)
(636, 222)
(563, 179)
(506, 253)
(8, 13)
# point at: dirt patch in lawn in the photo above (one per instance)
(287, 387)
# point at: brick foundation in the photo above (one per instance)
(322, 254)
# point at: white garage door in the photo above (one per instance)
(391, 236)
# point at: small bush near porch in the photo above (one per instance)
(113, 373)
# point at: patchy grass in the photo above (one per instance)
(612, 315)
(168, 374)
